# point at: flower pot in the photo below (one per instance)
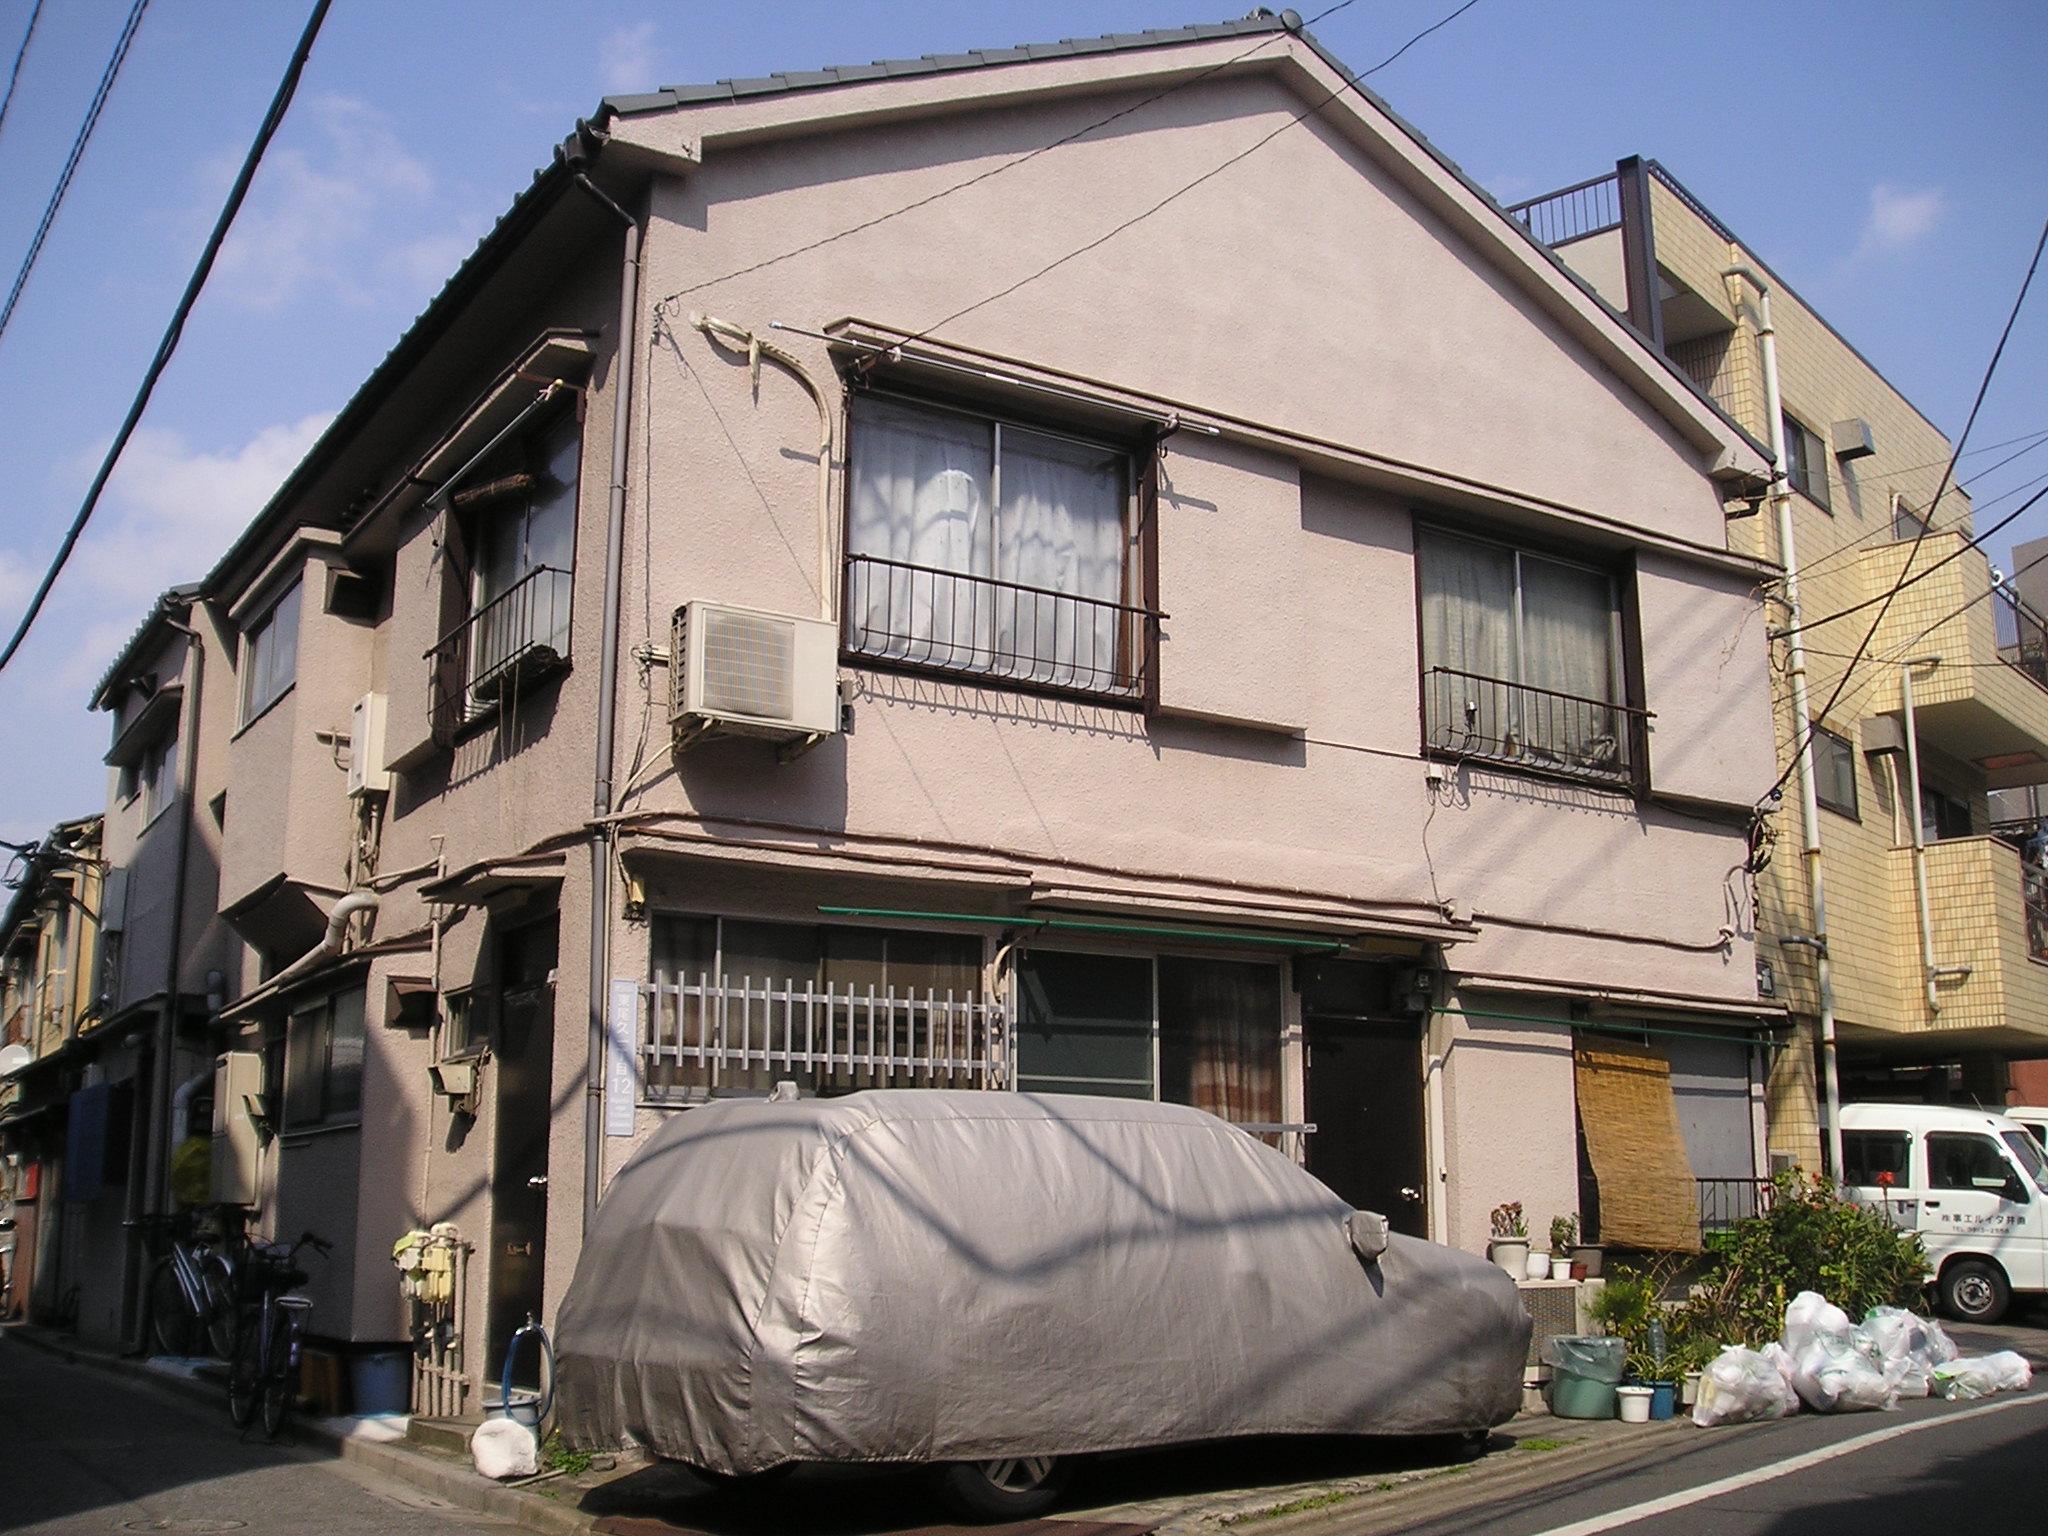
(1689, 1388)
(1561, 1268)
(1632, 1404)
(1578, 1270)
(1536, 1266)
(1592, 1255)
(1663, 1399)
(1511, 1254)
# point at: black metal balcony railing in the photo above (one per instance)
(517, 637)
(1469, 715)
(2034, 890)
(2022, 635)
(950, 621)
(1557, 218)
(1723, 1202)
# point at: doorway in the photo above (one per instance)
(1364, 1071)
(523, 1051)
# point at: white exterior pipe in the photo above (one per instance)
(1802, 724)
(1913, 819)
(330, 943)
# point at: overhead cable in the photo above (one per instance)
(14, 74)
(92, 118)
(271, 121)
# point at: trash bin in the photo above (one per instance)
(1587, 1370)
(382, 1381)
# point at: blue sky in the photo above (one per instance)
(1890, 161)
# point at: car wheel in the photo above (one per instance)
(1974, 1291)
(1008, 1488)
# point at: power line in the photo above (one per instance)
(993, 171)
(264, 133)
(92, 118)
(14, 74)
(1991, 368)
(1346, 82)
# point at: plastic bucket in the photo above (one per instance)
(1663, 1399)
(1579, 1397)
(1634, 1404)
(524, 1408)
(381, 1382)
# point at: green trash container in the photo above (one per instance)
(1584, 1373)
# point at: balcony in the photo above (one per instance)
(1986, 702)
(918, 618)
(1536, 730)
(1990, 917)
(511, 642)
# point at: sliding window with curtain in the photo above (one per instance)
(982, 546)
(1521, 656)
(1219, 1038)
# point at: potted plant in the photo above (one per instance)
(1564, 1233)
(1510, 1246)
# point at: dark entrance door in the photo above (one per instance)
(1365, 1093)
(523, 1052)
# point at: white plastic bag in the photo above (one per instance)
(1831, 1375)
(504, 1448)
(1810, 1315)
(1903, 1348)
(1982, 1375)
(1741, 1385)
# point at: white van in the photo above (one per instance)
(1973, 1184)
(2033, 1117)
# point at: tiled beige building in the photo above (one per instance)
(1938, 1006)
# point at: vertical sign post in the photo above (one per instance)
(622, 1023)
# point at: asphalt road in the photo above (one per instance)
(82, 1450)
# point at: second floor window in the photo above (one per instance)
(1834, 772)
(1806, 462)
(980, 546)
(1521, 659)
(270, 655)
(151, 776)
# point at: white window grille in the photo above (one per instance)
(702, 1034)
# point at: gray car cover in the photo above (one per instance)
(928, 1275)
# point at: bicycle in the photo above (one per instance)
(267, 1356)
(191, 1292)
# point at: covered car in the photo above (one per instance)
(995, 1280)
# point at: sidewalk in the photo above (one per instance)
(1529, 1451)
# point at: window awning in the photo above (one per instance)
(475, 885)
(1629, 1118)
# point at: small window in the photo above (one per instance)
(1907, 524)
(1943, 816)
(1521, 659)
(1834, 773)
(270, 655)
(978, 545)
(466, 1023)
(323, 1062)
(1960, 1160)
(151, 776)
(1806, 463)
(1866, 1154)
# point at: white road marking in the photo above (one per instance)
(1594, 1524)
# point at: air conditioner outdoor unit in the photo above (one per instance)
(739, 671)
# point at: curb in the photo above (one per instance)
(452, 1483)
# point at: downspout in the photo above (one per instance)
(1929, 972)
(156, 1191)
(1439, 1175)
(607, 697)
(1802, 724)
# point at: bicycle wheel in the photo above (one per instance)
(170, 1323)
(277, 1374)
(223, 1318)
(245, 1378)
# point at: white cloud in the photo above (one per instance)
(1899, 218)
(317, 208)
(170, 511)
(627, 59)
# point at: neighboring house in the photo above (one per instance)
(1285, 658)
(66, 1089)
(1935, 934)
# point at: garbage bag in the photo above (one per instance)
(1831, 1375)
(1941, 1348)
(1982, 1375)
(1741, 1385)
(1588, 1357)
(504, 1448)
(1809, 1315)
(1903, 1347)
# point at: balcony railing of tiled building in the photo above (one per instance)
(1989, 913)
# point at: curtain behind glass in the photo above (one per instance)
(1567, 647)
(1061, 528)
(921, 496)
(1219, 1037)
(1468, 597)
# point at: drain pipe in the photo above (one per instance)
(1802, 724)
(607, 689)
(1930, 973)
(330, 942)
